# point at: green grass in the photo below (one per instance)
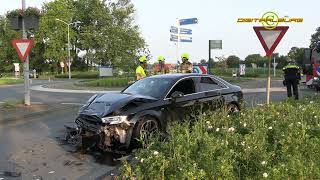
(79, 75)
(279, 141)
(8, 81)
(106, 82)
(10, 103)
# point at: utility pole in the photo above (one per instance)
(209, 61)
(69, 56)
(26, 63)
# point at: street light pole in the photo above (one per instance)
(69, 65)
(26, 63)
(69, 56)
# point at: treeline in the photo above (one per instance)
(106, 31)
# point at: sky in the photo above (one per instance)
(217, 21)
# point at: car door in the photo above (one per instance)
(209, 90)
(183, 107)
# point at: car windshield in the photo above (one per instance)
(154, 87)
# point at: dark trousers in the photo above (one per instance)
(292, 83)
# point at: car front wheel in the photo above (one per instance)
(146, 128)
(232, 108)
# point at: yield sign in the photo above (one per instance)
(23, 47)
(270, 38)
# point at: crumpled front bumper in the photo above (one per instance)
(106, 137)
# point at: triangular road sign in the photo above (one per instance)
(23, 47)
(270, 38)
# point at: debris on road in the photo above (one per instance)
(10, 174)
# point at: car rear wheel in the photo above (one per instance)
(146, 128)
(232, 108)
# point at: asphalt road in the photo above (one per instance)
(32, 146)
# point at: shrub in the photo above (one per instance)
(279, 141)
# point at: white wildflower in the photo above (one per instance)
(265, 175)
(243, 143)
(218, 129)
(315, 117)
(228, 116)
(299, 123)
(155, 153)
(263, 162)
(210, 127)
(311, 102)
(142, 160)
(208, 122)
(245, 125)
(270, 127)
(227, 142)
(231, 129)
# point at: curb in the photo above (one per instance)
(14, 118)
(45, 89)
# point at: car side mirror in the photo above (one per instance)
(177, 94)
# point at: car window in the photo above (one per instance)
(208, 84)
(185, 86)
(154, 87)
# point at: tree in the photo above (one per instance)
(107, 31)
(233, 61)
(8, 54)
(54, 33)
(297, 54)
(315, 38)
(203, 61)
(253, 58)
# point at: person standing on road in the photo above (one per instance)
(161, 67)
(291, 78)
(186, 66)
(140, 73)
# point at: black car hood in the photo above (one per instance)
(105, 104)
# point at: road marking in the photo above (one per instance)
(78, 104)
(36, 103)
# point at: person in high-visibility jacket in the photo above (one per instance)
(291, 78)
(161, 67)
(186, 66)
(140, 72)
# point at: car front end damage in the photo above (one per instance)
(111, 134)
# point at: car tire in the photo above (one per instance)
(145, 129)
(232, 108)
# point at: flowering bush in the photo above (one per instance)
(279, 141)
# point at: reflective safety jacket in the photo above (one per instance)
(186, 67)
(291, 72)
(140, 71)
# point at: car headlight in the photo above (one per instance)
(315, 78)
(115, 120)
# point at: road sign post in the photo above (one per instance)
(269, 39)
(26, 63)
(23, 47)
(213, 44)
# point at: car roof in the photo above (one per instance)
(178, 75)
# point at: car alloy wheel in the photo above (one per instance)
(232, 108)
(148, 129)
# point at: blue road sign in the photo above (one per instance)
(185, 39)
(174, 30)
(186, 31)
(173, 37)
(188, 21)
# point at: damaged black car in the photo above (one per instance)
(114, 121)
